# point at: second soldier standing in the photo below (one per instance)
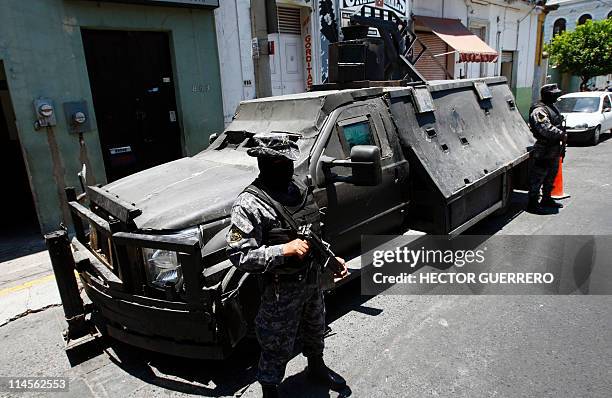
(546, 123)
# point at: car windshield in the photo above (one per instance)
(578, 104)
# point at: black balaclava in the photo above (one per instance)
(275, 172)
(549, 94)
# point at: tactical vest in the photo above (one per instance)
(306, 212)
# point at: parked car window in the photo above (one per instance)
(578, 104)
(607, 104)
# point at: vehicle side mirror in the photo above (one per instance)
(365, 164)
(212, 138)
(606, 109)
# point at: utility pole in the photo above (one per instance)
(261, 59)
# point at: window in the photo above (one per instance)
(583, 18)
(607, 104)
(355, 131)
(559, 26)
(578, 104)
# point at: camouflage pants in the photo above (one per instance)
(542, 175)
(291, 314)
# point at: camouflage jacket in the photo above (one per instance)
(250, 219)
(546, 124)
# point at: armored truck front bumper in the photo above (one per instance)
(187, 323)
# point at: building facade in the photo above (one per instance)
(116, 87)
(566, 15)
(509, 28)
(289, 41)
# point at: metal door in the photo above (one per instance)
(351, 211)
(287, 64)
(132, 85)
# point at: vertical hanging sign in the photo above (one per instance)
(308, 46)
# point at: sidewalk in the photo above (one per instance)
(27, 283)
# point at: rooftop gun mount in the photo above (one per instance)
(382, 156)
(388, 59)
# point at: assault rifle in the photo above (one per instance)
(306, 233)
(564, 139)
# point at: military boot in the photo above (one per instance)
(533, 206)
(320, 373)
(269, 390)
(550, 202)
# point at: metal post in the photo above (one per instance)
(77, 223)
(63, 268)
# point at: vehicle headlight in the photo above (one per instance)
(582, 126)
(162, 266)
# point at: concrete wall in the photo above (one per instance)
(42, 50)
(233, 25)
(502, 21)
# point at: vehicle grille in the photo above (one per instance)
(100, 246)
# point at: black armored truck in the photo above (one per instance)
(383, 151)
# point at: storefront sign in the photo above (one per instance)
(308, 59)
(399, 6)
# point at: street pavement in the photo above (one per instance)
(386, 346)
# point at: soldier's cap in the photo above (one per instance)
(551, 88)
(274, 145)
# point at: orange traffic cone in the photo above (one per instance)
(557, 192)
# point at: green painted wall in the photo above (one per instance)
(567, 83)
(524, 99)
(42, 50)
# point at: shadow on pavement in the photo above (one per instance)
(184, 375)
(234, 375)
(20, 241)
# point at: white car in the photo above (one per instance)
(587, 114)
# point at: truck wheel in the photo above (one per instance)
(595, 136)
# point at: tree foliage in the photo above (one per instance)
(585, 51)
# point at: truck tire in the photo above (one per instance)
(595, 136)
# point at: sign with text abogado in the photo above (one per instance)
(348, 7)
(479, 264)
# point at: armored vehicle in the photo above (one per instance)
(381, 157)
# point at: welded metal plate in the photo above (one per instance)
(462, 144)
(423, 99)
(482, 90)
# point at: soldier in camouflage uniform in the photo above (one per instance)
(260, 241)
(546, 124)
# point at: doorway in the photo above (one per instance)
(286, 62)
(508, 69)
(19, 218)
(132, 85)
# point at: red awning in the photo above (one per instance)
(469, 46)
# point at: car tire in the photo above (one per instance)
(595, 136)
